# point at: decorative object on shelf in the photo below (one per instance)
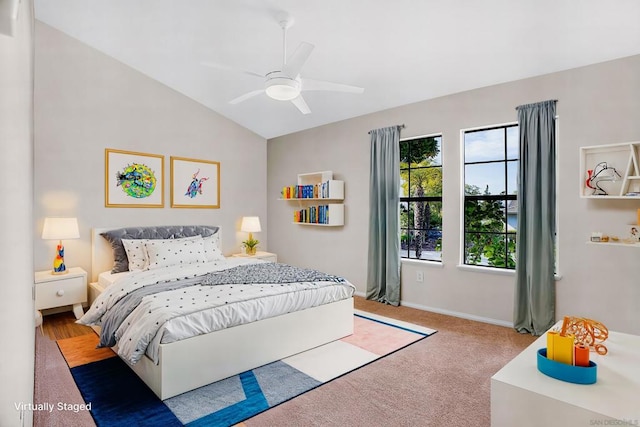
(133, 180)
(587, 182)
(586, 332)
(596, 236)
(616, 173)
(638, 220)
(567, 354)
(58, 229)
(250, 224)
(568, 373)
(195, 183)
(601, 173)
(560, 347)
(634, 234)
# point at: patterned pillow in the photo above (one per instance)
(114, 237)
(137, 253)
(212, 250)
(166, 253)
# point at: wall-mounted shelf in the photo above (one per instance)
(623, 158)
(331, 215)
(314, 199)
(319, 197)
(633, 245)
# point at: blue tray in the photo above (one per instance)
(564, 372)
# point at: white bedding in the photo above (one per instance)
(194, 310)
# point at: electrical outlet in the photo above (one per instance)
(419, 276)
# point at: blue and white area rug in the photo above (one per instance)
(119, 398)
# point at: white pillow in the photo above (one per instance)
(212, 250)
(136, 253)
(166, 253)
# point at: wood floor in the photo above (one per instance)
(63, 325)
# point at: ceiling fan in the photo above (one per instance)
(286, 84)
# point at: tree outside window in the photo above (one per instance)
(490, 196)
(421, 198)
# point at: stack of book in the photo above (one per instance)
(309, 191)
(312, 215)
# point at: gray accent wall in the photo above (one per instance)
(85, 101)
(598, 104)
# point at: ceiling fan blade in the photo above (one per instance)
(301, 104)
(310, 84)
(228, 68)
(246, 96)
(294, 64)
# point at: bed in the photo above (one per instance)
(189, 363)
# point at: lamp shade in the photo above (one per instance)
(250, 224)
(60, 228)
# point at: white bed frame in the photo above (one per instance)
(188, 364)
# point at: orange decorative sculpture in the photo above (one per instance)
(587, 332)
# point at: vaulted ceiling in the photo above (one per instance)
(400, 52)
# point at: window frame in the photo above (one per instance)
(492, 197)
(408, 200)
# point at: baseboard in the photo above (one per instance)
(459, 314)
(451, 313)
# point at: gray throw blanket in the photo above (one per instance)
(268, 272)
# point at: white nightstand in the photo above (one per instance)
(58, 290)
(267, 256)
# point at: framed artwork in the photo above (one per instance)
(195, 183)
(634, 233)
(133, 180)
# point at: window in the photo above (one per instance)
(490, 196)
(421, 198)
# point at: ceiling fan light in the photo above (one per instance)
(282, 89)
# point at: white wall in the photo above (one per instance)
(85, 102)
(16, 183)
(597, 104)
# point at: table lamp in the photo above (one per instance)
(58, 229)
(250, 224)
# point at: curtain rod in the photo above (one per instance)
(400, 126)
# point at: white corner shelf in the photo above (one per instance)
(624, 158)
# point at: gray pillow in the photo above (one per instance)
(114, 237)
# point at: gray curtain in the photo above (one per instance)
(535, 296)
(383, 270)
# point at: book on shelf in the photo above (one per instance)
(308, 191)
(312, 215)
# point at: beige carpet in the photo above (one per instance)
(443, 380)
